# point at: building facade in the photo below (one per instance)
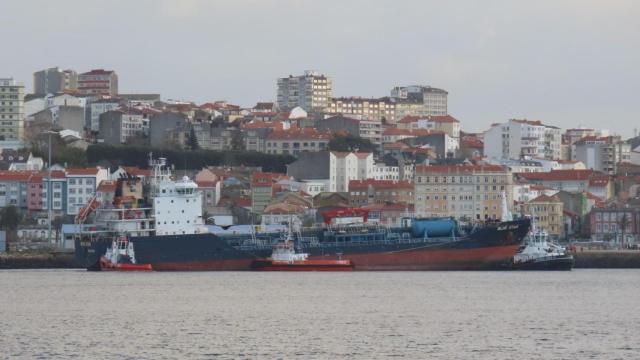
(310, 91)
(380, 110)
(419, 100)
(54, 80)
(471, 192)
(364, 192)
(81, 186)
(11, 112)
(98, 82)
(519, 138)
(546, 212)
(601, 153)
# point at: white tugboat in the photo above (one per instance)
(538, 253)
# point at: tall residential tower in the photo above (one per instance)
(311, 91)
(11, 112)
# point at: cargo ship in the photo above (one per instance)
(169, 234)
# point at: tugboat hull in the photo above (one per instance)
(559, 263)
(307, 265)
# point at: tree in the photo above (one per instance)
(192, 142)
(237, 140)
(622, 224)
(351, 143)
(9, 218)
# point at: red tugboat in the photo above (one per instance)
(285, 258)
(121, 257)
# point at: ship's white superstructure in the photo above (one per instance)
(177, 205)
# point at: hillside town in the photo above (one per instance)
(402, 154)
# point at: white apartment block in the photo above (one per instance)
(311, 91)
(516, 139)
(11, 113)
(344, 167)
(81, 186)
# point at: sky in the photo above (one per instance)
(568, 63)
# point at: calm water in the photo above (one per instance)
(438, 315)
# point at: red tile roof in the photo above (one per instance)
(98, 72)
(300, 134)
(559, 175)
(107, 186)
(82, 171)
(6, 175)
(380, 184)
(261, 179)
(431, 118)
(545, 199)
(459, 168)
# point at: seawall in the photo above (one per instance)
(607, 259)
(37, 260)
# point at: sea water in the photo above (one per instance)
(73, 314)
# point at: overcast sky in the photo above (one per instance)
(568, 63)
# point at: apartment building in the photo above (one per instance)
(11, 113)
(419, 100)
(98, 82)
(99, 107)
(547, 214)
(122, 125)
(295, 141)
(366, 129)
(370, 191)
(379, 110)
(261, 191)
(518, 138)
(81, 186)
(601, 153)
(615, 223)
(311, 91)
(462, 191)
(332, 168)
(54, 80)
(576, 181)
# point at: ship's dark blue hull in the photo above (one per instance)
(487, 248)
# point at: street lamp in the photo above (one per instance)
(49, 188)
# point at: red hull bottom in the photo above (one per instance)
(108, 266)
(414, 260)
(307, 265)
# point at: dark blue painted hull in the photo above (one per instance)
(487, 248)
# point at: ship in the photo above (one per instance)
(284, 257)
(539, 253)
(167, 231)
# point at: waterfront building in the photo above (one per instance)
(332, 168)
(615, 223)
(81, 186)
(371, 191)
(547, 214)
(462, 191)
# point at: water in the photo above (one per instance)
(414, 315)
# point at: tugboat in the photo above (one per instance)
(538, 253)
(285, 258)
(121, 257)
